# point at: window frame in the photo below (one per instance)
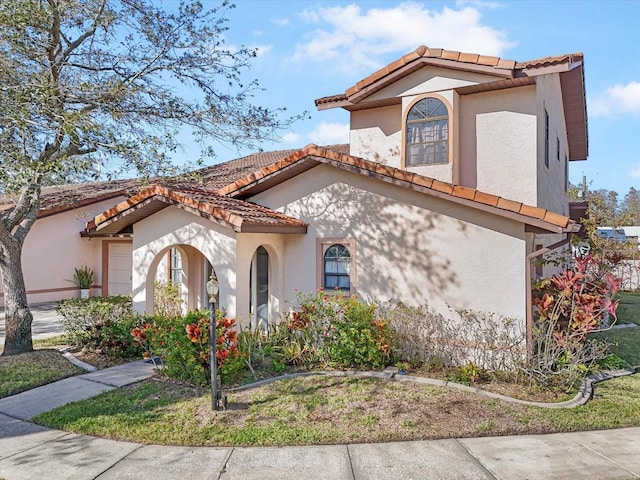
(406, 122)
(322, 245)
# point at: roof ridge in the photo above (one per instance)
(403, 177)
(499, 65)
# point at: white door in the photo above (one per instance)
(120, 265)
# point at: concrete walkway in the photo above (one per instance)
(28, 451)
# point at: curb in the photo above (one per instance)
(585, 393)
(78, 363)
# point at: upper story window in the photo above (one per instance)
(546, 139)
(427, 133)
(337, 266)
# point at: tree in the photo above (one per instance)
(92, 83)
(631, 206)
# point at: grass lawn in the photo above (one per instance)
(629, 307)
(30, 370)
(626, 340)
(326, 410)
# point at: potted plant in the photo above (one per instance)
(83, 278)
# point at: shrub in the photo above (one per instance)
(167, 299)
(329, 329)
(570, 305)
(100, 323)
(425, 337)
(183, 345)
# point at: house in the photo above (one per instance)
(454, 181)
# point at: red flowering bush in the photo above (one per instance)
(183, 344)
(577, 302)
(568, 306)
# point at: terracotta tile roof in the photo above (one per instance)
(61, 198)
(314, 155)
(425, 55)
(217, 176)
(237, 214)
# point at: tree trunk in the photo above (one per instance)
(18, 317)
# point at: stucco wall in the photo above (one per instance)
(52, 250)
(409, 247)
(376, 134)
(498, 142)
(171, 226)
(551, 180)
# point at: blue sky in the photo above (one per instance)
(311, 49)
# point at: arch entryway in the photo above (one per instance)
(187, 268)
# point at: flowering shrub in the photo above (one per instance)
(568, 306)
(183, 344)
(576, 302)
(330, 329)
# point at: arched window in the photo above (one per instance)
(337, 262)
(427, 133)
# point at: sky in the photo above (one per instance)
(311, 49)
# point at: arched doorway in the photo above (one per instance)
(187, 270)
(259, 286)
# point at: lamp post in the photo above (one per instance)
(212, 290)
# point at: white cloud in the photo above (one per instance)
(283, 22)
(635, 173)
(291, 138)
(329, 133)
(356, 39)
(618, 99)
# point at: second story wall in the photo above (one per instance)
(497, 137)
(553, 150)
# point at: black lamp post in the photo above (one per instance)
(212, 290)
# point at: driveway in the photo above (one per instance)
(46, 321)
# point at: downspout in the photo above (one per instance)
(529, 287)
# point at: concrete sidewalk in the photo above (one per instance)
(28, 451)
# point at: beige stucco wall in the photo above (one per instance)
(551, 181)
(172, 226)
(498, 143)
(376, 134)
(409, 247)
(52, 250)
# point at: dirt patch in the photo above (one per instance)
(365, 410)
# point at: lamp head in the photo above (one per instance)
(212, 287)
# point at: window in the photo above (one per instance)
(546, 139)
(337, 267)
(558, 149)
(427, 133)
(175, 267)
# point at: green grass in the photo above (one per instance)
(328, 410)
(629, 307)
(30, 370)
(49, 342)
(626, 341)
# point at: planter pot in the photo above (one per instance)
(84, 293)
